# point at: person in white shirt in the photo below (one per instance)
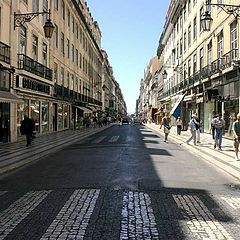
(193, 130)
(218, 123)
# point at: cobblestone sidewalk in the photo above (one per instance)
(224, 159)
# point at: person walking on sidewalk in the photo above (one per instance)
(193, 130)
(218, 123)
(197, 123)
(27, 128)
(179, 125)
(166, 126)
(236, 135)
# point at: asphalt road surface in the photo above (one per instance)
(122, 183)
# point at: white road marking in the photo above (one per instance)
(19, 210)
(100, 139)
(72, 220)
(114, 139)
(199, 220)
(138, 221)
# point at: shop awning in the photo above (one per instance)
(176, 110)
(188, 98)
(7, 97)
(85, 110)
(166, 99)
(93, 108)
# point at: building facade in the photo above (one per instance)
(202, 66)
(54, 81)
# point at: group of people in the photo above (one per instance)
(217, 128)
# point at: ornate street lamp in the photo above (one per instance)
(20, 19)
(206, 19)
(164, 74)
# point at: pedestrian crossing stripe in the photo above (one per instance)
(114, 139)
(73, 218)
(199, 220)
(137, 215)
(19, 210)
(100, 139)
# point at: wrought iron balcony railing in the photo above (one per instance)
(28, 64)
(4, 53)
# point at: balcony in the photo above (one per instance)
(28, 64)
(4, 53)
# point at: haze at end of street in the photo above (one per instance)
(130, 35)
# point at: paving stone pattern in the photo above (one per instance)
(138, 221)
(109, 214)
(200, 221)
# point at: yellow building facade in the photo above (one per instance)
(204, 66)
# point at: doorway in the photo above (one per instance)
(54, 116)
(4, 122)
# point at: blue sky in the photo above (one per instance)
(130, 33)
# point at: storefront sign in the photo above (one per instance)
(35, 85)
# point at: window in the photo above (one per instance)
(35, 47)
(56, 4)
(80, 60)
(68, 17)
(55, 70)
(209, 53)
(76, 57)
(77, 30)
(201, 14)
(68, 48)
(189, 6)
(181, 47)
(189, 67)
(184, 13)
(45, 9)
(73, 24)
(61, 76)
(35, 5)
(72, 53)
(63, 9)
(23, 40)
(55, 37)
(194, 63)
(220, 45)
(62, 43)
(185, 41)
(195, 28)
(201, 58)
(68, 79)
(189, 36)
(233, 39)
(44, 54)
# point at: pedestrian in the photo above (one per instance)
(236, 135)
(166, 127)
(27, 128)
(197, 123)
(213, 127)
(179, 125)
(218, 124)
(192, 127)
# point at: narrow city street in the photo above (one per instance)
(122, 183)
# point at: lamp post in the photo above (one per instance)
(206, 19)
(20, 19)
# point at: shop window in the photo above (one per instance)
(45, 116)
(34, 109)
(60, 117)
(22, 110)
(65, 116)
